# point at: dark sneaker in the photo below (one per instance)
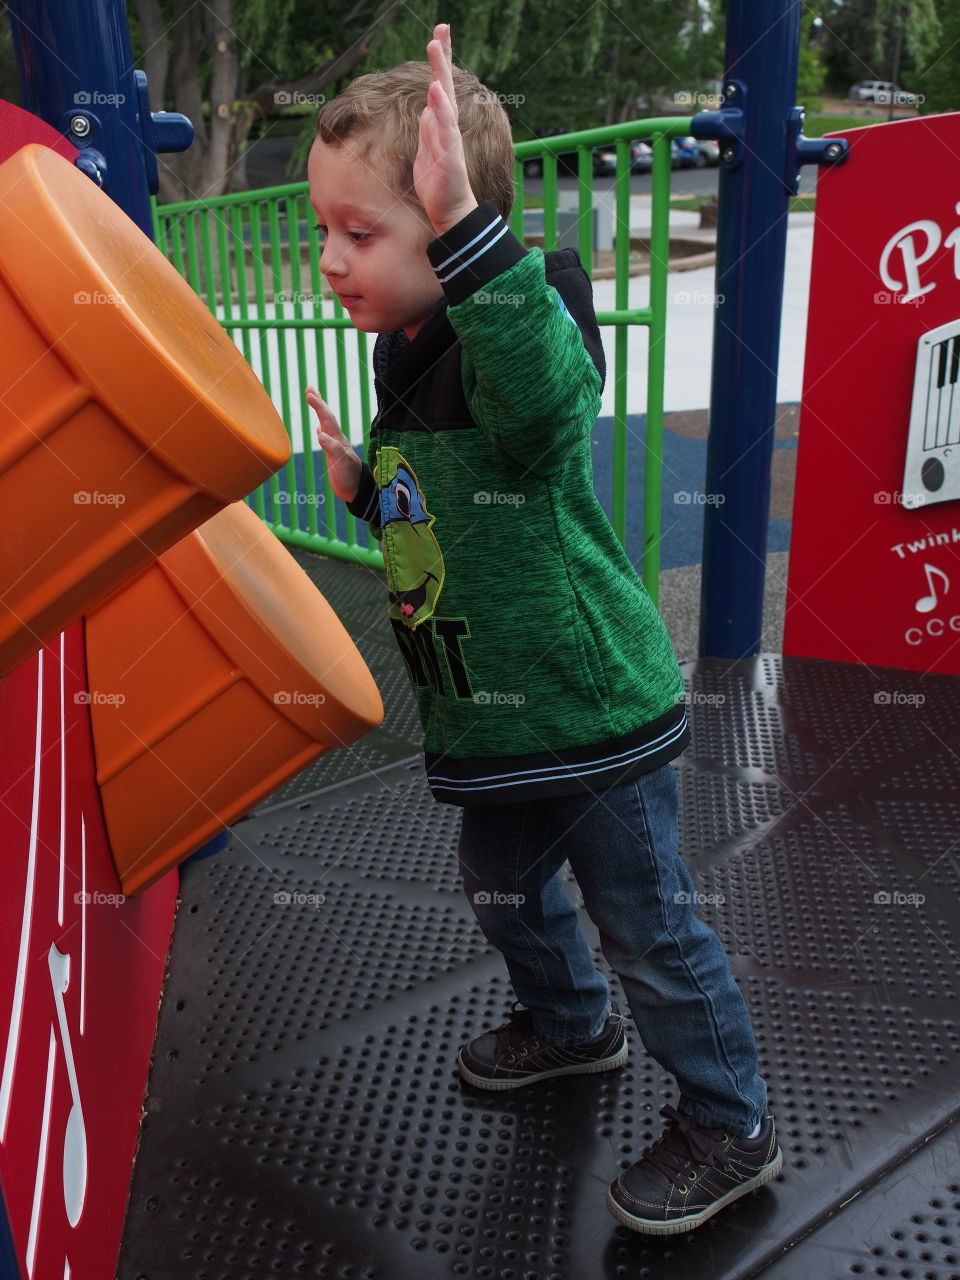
(689, 1174)
(514, 1055)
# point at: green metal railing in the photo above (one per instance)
(254, 257)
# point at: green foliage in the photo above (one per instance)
(569, 68)
(882, 39)
(267, 40)
(810, 68)
(916, 19)
(9, 80)
(939, 80)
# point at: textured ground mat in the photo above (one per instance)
(304, 1114)
(359, 598)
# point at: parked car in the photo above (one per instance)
(685, 153)
(641, 157)
(899, 98)
(710, 150)
(883, 92)
(567, 160)
(604, 163)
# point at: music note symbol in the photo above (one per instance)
(75, 1135)
(926, 603)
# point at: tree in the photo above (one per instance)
(558, 66)
(228, 63)
(879, 39)
(939, 80)
(810, 71)
(9, 79)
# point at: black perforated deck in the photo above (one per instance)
(305, 1116)
(359, 598)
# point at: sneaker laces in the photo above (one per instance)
(671, 1153)
(517, 1028)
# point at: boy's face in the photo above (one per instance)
(374, 254)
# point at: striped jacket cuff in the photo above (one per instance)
(478, 249)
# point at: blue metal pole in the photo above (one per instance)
(76, 72)
(9, 1264)
(762, 46)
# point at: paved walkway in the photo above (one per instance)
(690, 314)
(689, 359)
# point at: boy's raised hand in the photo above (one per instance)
(343, 463)
(440, 170)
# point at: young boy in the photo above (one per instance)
(549, 692)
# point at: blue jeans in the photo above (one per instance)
(622, 845)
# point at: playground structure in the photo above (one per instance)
(302, 1116)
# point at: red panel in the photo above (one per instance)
(20, 127)
(80, 970)
(872, 580)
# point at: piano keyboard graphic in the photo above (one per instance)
(932, 469)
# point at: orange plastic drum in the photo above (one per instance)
(127, 416)
(213, 677)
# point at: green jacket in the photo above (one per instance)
(539, 663)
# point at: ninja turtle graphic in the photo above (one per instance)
(411, 553)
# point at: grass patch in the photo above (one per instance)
(692, 204)
(817, 126)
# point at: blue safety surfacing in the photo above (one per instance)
(683, 495)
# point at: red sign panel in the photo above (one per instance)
(81, 970)
(875, 546)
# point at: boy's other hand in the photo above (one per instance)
(440, 170)
(343, 463)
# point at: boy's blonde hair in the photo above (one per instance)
(381, 111)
